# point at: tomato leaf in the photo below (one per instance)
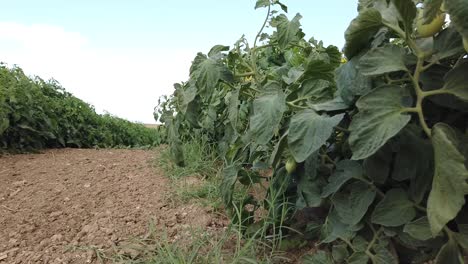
(319, 257)
(456, 80)
(361, 30)
(268, 111)
(394, 210)
(351, 82)
(309, 131)
(352, 203)
(449, 253)
(381, 116)
(449, 186)
(419, 229)
(389, 58)
(458, 11)
(345, 170)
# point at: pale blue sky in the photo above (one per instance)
(121, 55)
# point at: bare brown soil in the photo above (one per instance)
(56, 206)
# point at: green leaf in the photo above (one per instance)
(315, 90)
(363, 4)
(268, 111)
(381, 116)
(413, 159)
(449, 253)
(462, 239)
(458, 11)
(361, 30)
(456, 81)
(207, 73)
(358, 258)
(329, 106)
(278, 150)
(227, 185)
(351, 82)
(319, 257)
(353, 203)
(383, 255)
(345, 170)
(360, 244)
(4, 124)
(389, 12)
(233, 108)
(334, 229)
(389, 58)
(408, 11)
(394, 210)
(262, 3)
(282, 6)
(340, 252)
(308, 131)
(293, 75)
(287, 30)
(319, 66)
(216, 50)
(308, 186)
(448, 43)
(419, 229)
(378, 166)
(449, 185)
(187, 96)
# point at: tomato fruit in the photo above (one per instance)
(291, 165)
(429, 30)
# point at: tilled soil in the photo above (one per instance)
(56, 206)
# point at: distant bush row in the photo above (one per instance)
(37, 114)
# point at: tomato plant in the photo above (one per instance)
(380, 138)
(35, 114)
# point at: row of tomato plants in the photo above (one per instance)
(370, 145)
(37, 114)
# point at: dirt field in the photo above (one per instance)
(56, 205)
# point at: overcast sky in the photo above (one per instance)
(121, 55)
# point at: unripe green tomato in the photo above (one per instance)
(465, 43)
(429, 30)
(291, 165)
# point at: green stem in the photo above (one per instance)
(434, 92)
(424, 68)
(253, 58)
(263, 26)
(371, 244)
(262, 47)
(420, 208)
(420, 96)
(342, 129)
(371, 184)
(299, 99)
(296, 106)
(245, 74)
(255, 90)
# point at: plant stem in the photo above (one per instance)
(420, 96)
(253, 57)
(296, 106)
(371, 184)
(342, 129)
(434, 92)
(245, 74)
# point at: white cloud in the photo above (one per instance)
(126, 83)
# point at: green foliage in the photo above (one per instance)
(380, 142)
(35, 114)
